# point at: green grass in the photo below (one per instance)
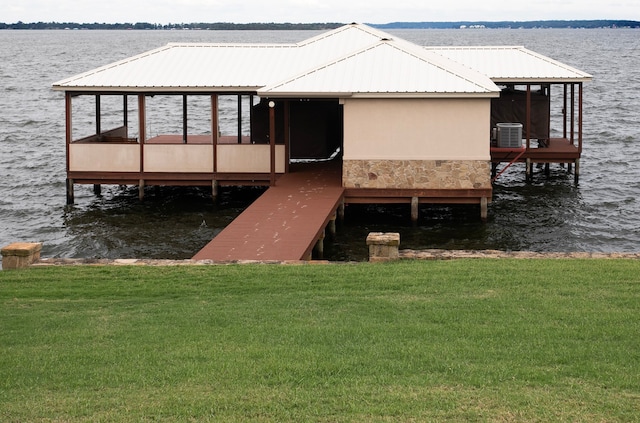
(462, 340)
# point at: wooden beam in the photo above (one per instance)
(564, 112)
(528, 117)
(573, 112)
(98, 115)
(272, 141)
(579, 118)
(287, 135)
(185, 116)
(68, 123)
(215, 132)
(239, 118)
(142, 131)
(125, 108)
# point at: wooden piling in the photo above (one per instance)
(214, 189)
(319, 248)
(484, 208)
(415, 203)
(70, 196)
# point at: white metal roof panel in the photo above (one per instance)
(512, 64)
(387, 68)
(189, 67)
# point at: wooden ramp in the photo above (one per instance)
(286, 221)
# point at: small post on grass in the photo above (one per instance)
(20, 255)
(383, 246)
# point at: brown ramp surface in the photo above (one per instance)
(285, 222)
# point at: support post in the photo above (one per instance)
(125, 108)
(332, 225)
(68, 137)
(239, 119)
(185, 117)
(580, 118)
(98, 116)
(97, 189)
(415, 203)
(484, 208)
(576, 173)
(529, 170)
(287, 135)
(528, 116)
(142, 128)
(141, 189)
(272, 142)
(214, 189)
(341, 210)
(215, 131)
(573, 113)
(70, 196)
(320, 245)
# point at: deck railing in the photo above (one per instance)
(112, 151)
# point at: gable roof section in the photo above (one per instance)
(386, 69)
(512, 64)
(184, 67)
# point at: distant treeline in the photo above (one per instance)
(328, 25)
(513, 24)
(194, 26)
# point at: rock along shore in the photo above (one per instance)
(434, 254)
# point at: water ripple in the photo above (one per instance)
(601, 214)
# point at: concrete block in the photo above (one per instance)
(383, 246)
(20, 255)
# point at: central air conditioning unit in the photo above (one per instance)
(509, 135)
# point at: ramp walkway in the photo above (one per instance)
(284, 223)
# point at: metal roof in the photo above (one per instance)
(351, 60)
(386, 68)
(188, 67)
(512, 64)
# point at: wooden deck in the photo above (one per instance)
(555, 150)
(558, 150)
(286, 222)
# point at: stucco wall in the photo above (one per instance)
(249, 158)
(178, 158)
(417, 144)
(104, 157)
(417, 129)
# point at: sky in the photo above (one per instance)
(308, 11)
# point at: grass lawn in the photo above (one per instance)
(462, 340)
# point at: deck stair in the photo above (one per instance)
(284, 223)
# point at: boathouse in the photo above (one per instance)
(401, 122)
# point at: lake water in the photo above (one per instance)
(601, 214)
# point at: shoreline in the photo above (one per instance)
(431, 254)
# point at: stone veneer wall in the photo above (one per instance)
(417, 174)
